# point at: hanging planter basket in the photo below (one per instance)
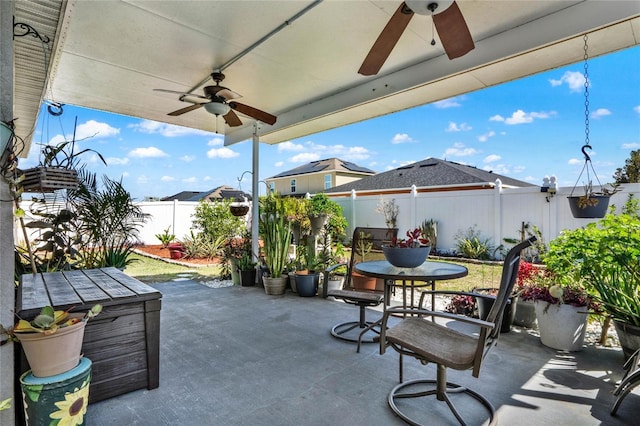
(49, 179)
(239, 210)
(591, 207)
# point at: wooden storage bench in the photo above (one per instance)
(123, 342)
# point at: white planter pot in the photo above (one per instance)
(561, 327)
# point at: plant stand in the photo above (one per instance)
(45, 397)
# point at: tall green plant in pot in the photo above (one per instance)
(275, 231)
(604, 257)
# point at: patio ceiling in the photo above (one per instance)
(110, 55)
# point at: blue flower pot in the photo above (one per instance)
(406, 257)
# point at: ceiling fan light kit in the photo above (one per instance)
(217, 108)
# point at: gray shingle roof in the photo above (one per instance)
(221, 192)
(326, 164)
(429, 172)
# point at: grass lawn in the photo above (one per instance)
(151, 271)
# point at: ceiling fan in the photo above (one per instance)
(447, 18)
(217, 100)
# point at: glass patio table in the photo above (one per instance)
(424, 275)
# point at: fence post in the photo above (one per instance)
(497, 213)
(413, 200)
(353, 212)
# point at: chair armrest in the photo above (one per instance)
(325, 277)
(461, 293)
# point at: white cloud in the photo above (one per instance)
(574, 161)
(223, 152)
(521, 117)
(279, 164)
(115, 161)
(448, 103)
(289, 146)
(502, 169)
(459, 150)
(637, 109)
(206, 178)
(401, 138)
(492, 158)
(454, 127)
(150, 152)
(167, 130)
(519, 169)
(631, 145)
(573, 79)
(188, 158)
(486, 136)
(191, 179)
(142, 180)
(217, 141)
(167, 178)
(125, 174)
(96, 129)
(600, 112)
(305, 157)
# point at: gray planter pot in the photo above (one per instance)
(629, 336)
(406, 257)
(307, 284)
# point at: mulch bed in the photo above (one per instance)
(163, 253)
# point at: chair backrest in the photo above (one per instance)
(489, 338)
(366, 244)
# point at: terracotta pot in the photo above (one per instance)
(360, 282)
(176, 254)
(51, 354)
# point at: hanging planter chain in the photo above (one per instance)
(587, 159)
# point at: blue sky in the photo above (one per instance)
(524, 129)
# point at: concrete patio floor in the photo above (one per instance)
(235, 356)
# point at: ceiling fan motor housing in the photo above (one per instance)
(426, 7)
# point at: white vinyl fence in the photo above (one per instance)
(496, 212)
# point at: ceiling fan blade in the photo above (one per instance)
(228, 94)
(180, 93)
(386, 41)
(185, 109)
(453, 32)
(253, 112)
(232, 119)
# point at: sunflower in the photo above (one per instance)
(71, 411)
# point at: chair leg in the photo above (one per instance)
(340, 330)
(441, 391)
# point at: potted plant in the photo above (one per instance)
(362, 246)
(276, 236)
(407, 253)
(247, 269)
(603, 256)
(525, 315)
(166, 237)
(593, 204)
(562, 312)
(52, 341)
(58, 168)
(307, 281)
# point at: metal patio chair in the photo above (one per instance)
(419, 335)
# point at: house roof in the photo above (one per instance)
(429, 172)
(221, 192)
(327, 164)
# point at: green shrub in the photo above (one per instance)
(471, 244)
(214, 219)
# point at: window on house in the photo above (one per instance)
(293, 186)
(272, 187)
(327, 181)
